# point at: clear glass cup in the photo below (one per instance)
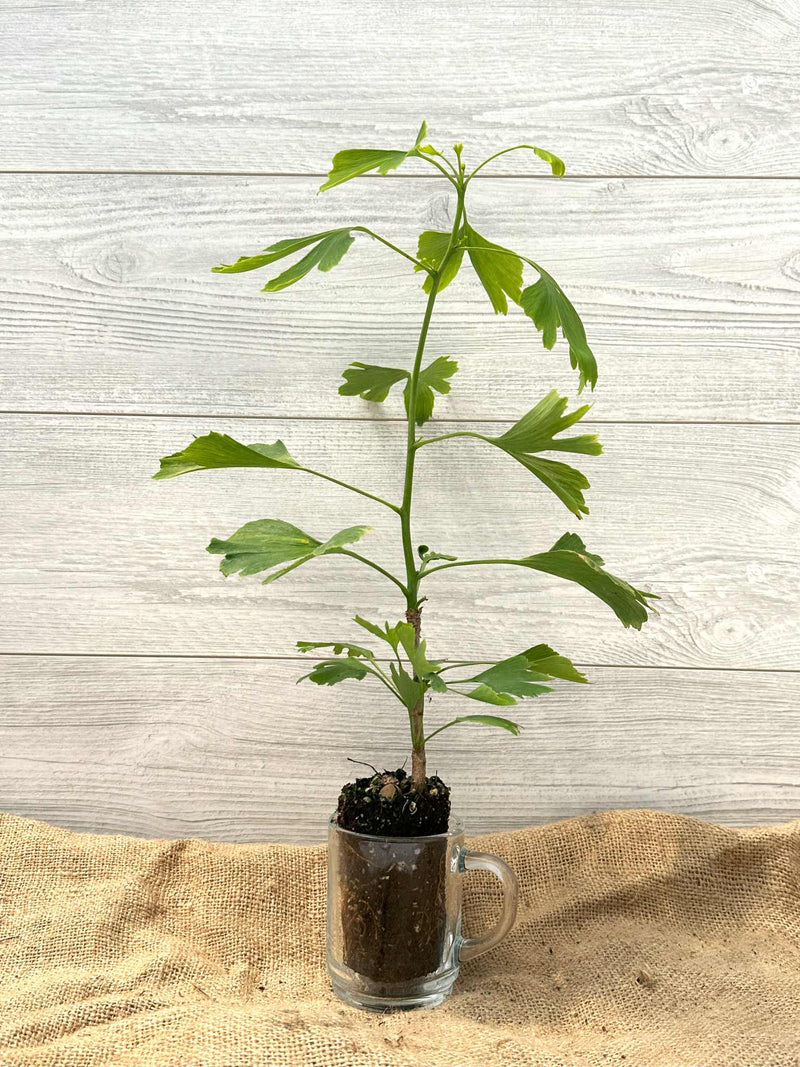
(394, 915)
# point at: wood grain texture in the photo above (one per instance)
(689, 290)
(234, 750)
(615, 88)
(99, 558)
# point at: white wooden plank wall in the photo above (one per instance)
(140, 144)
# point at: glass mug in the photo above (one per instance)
(394, 915)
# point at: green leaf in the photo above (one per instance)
(324, 256)
(274, 252)
(258, 546)
(372, 382)
(352, 162)
(434, 376)
(216, 450)
(536, 432)
(566, 482)
(572, 543)
(514, 676)
(369, 381)
(556, 164)
(416, 653)
(569, 559)
(542, 658)
(486, 695)
(431, 249)
(392, 635)
(499, 272)
(331, 671)
(329, 247)
(546, 303)
(436, 683)
(410, 689)
(353, 651)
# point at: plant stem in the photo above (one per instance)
(375, 567)
(446, 437)
(469, 563)
(352, 488)
(418, 768)
(394, 248)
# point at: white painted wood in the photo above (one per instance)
(235, 750)
(689, 290)
(627, 87)
(99, 558)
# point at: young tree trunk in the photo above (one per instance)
(418, 769)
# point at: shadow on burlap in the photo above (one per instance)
(643, 939)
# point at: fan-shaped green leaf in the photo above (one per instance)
(274, 252)
(392, 635)
(431, 249)
(369, 381)
(410, 689)
(354, 651)
(556, 164)
(514, 676)
(262, 544)
(566, 482)
(434, 376)
(548, 306)
(216, 450)
(437, 684)
(535, 432)
(324, 256)
(331, 671)
(542, 658)
(329, 247)
(499, 272)
(486, 695)
(569, 559)
(352, 162)
(372, 382)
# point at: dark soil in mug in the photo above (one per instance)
(393, 909)
(389, 806)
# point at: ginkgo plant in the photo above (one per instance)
(400, 661)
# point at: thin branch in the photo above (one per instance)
(394, 248)
(452, 178)
(435, 732)
(470, 563)
(422, 441)
(384, 681)
(369, 563)
(467, 663)
(352, 488)
(502, 152)
(507, 252)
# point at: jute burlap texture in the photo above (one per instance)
(643, 939)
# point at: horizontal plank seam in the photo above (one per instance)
(311, 659)
(407, 177)
(389, 419)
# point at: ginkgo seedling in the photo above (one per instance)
(400, 661)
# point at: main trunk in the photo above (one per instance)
(418, 771)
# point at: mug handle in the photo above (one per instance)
(470, 947)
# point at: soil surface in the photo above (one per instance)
(388, 805)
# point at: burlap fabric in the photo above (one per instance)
(643, 939)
